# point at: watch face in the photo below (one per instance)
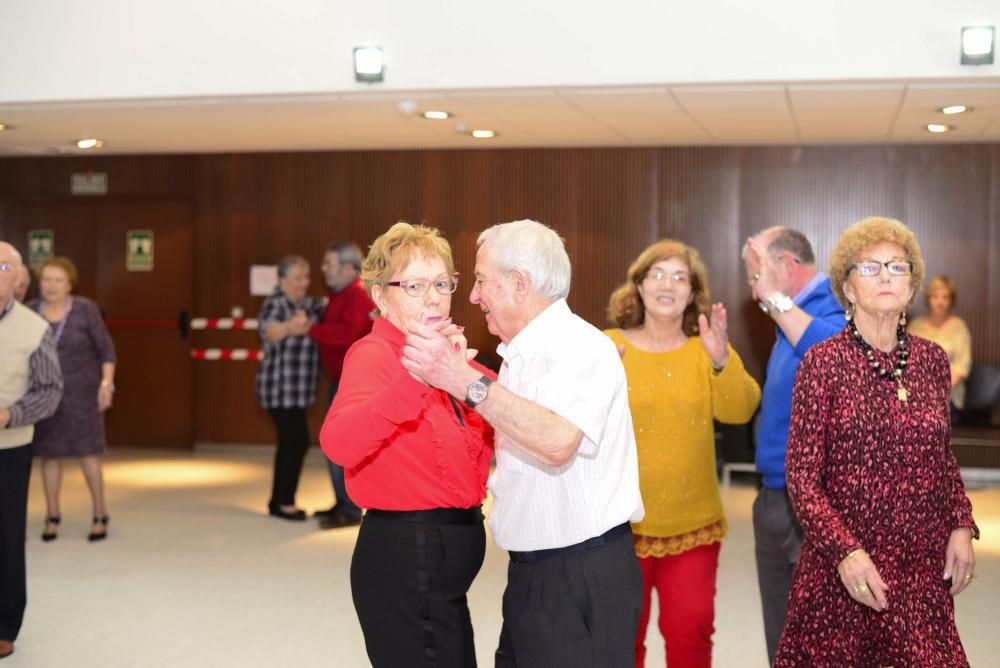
(477, 392)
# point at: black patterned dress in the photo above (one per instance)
(866, 470)
(77, 427)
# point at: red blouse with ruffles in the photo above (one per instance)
(404, 445)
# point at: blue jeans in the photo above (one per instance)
(342, 501)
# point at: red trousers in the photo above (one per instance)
(685, 584)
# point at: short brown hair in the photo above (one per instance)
(865, 234)
(941, 282)
(625, 308)
(396, 247)
(61, 262)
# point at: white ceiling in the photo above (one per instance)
(766, 114)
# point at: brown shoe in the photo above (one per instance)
(338, 520)
(6, 648)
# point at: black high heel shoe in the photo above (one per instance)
(47, 536)
(275, 510)
(102, 522)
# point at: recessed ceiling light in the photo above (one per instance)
(483, 134)
(89, 143)
(939, 128)
(4, 126)
(437, 115)
(955, 109)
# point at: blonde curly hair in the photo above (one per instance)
(625, 307)
(395, 248)
(865, 234)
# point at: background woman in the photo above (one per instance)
(949, 331)
(887, 526)
(417, 459)
(87, 359)
(682, 374)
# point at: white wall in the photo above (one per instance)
(99, 49)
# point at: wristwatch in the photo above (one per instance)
(778, 301)
(476, 393)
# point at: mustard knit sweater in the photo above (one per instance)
(673, 397)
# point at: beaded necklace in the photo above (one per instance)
(897, 372)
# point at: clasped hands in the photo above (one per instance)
(299, 324)
(438, 355)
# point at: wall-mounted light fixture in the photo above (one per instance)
(977, 45)
(369, 64)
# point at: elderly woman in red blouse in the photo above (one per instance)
(416, 459)
(887, 526)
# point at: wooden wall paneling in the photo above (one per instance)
(948, 207)
(457, 193)
(607, 203)
(615, 212)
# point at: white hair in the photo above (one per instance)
(534, 249)
(15, 256)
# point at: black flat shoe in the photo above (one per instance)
(49, 536)
(295, 515)
(101, 522)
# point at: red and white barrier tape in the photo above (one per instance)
(213, 354)
(223, 323)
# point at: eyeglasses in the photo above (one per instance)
(418, 287)
(677, 278)
(872, 268)
(6, 266)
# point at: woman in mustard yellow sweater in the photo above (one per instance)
(682, 373)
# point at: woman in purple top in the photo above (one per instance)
(87, 358)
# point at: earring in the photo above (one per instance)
(849, 312)
(902, 319)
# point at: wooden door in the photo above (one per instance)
(153, 405)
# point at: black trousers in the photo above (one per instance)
(573, 610)
(15, 474)
(409, 581)
(293, 443)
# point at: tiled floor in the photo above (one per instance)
(194, 574)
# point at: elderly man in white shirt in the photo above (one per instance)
(566, 485)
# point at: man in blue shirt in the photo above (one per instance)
(781, 270)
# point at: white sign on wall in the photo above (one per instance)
(89, 183)
(263, 279)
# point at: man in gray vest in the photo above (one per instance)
(30, 389)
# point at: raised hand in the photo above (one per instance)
(714, 335)
(760, 273)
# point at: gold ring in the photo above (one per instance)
(862, 587)
(969, 576)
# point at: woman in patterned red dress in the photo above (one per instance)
(871, 475)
